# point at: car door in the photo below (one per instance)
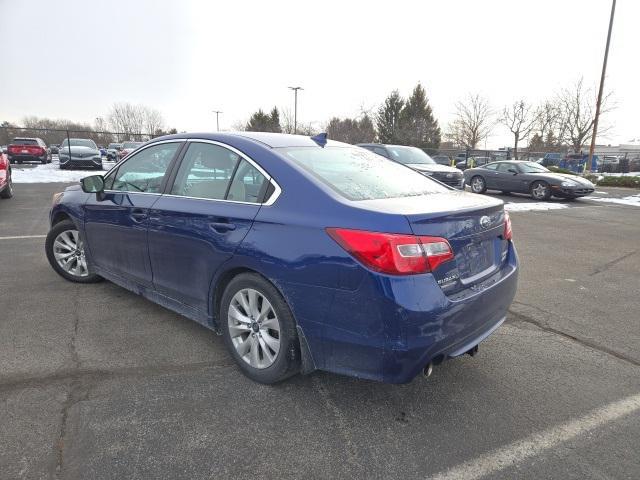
(490, 175)
(205, 214)
(506, 180)
(116, 221)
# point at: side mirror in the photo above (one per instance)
(93, 184)
(513, 170)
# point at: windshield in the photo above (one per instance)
(409, 155)
(531, 167)
(358, 174)
(79, 142)
(131, 144)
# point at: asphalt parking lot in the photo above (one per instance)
(96, 382)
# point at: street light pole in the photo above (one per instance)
(217, 112)
(599, 101)
(295, 108)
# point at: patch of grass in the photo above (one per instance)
(627, 181)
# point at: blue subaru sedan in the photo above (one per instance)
(303, 253)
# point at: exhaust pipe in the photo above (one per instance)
(428, 370)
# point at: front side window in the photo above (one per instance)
(144, 171)
(205, 172)
(492, 166)
(504, 167)
(358, 174)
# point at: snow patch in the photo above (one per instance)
(51, 172)
(533, 206)
(633, 200)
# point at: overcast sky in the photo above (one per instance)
(74, 58)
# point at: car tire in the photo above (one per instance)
(64, 242)
(540, 190)
(254, 355)
(478, 184)
(8, 191)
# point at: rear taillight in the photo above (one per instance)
(394, 254)
(508, 233)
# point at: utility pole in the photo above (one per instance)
(217, 112)
(599, 101)
(295, 108)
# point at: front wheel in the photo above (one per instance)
(65, 252)
(478, 185)
(540, 190)
(259, 329)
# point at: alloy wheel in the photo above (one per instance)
(539, 191)
(254, 328)
(477, 184)
(68, 251)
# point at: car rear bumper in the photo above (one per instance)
(390, 328)
(26, 158)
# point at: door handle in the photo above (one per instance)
(222, 227)
(138, 215)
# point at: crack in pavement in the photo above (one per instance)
(608, 265)
(97, 374)
(352, 454)
(582, 341)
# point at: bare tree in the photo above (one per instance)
(520, 118)
(287, 120)
(153, 121)
(577, 106)
(135, 121)
(473, 123)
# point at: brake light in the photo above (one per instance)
(394, 254)
(508, 232)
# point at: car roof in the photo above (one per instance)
(273, 140)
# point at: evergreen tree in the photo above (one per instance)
(262, 122)
(417, 126)
(387, 118)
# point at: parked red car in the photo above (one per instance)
(127, 148)
(28, 150)
(6, 187)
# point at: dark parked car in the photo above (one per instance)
(112, 151)
(54, 149)
(526, 177)
(473, 162)
(6, 186)
(303, 253)
(551, 159)
(83, 153)
(418, 160)
(442, 159)
(24, 149)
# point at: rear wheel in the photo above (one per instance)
(478, 185)
(259, 329)
(65, 252)
(540, 190)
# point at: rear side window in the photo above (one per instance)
(248, 184)
(358, 174)
(205, 172)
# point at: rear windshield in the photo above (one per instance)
(358, 174)
(25, 141)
